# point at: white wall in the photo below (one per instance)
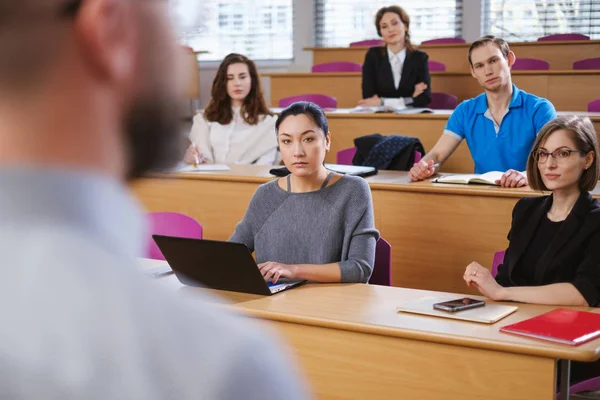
(304, 37)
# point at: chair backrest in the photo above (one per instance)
(498, 259)
(418, 156)
(443, 101)
(345, 156)
(338, 66)
(563, 36)
(170, 224)
(588, 63)
(594, 106)
(382, 269)
(523, 64)
(368, 42)
(436, 66)
(448, 40)
(321, 100)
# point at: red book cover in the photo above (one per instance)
(562, 325)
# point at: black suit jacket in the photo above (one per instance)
(378, 79)
(573, 256)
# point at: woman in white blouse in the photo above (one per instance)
(237, 126)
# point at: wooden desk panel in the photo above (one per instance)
(560, 54)
(567, 90)
(352, 344)
(435, 230)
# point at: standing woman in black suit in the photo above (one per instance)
(396, 74)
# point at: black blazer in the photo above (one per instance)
(378, 79)
(573, 256)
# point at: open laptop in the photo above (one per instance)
(217, 265)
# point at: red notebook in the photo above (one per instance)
(562, 325)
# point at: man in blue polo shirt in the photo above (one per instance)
(499, 125)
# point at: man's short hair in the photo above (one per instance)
(482, 41)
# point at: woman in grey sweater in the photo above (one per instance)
(313, 224)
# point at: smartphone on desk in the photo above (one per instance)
(465, 303)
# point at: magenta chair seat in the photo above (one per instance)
(594, 106)
(436, 66)
(443, 101)
(339, 66)
(563, 36)
(321, 100)
(368, 42)
(170, 224)
(590, 384)
(382, 269)
(454, 40)
(588, 63)
(526, 64)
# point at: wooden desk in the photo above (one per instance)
(435, 230)
(560, 54)
(568, 90)
(352, 344)
(346, 126)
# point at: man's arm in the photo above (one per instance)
(433, 160)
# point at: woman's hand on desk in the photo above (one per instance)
(481, 277)
(512, 179)
(374, 101)
(193, 155)
(419, 89)
(421, 170)
(273, 271)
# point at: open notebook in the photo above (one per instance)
(488, 178)
(395, 110)
(487, 314)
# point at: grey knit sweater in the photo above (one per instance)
(334, 224)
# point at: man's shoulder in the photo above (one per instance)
(530, 100)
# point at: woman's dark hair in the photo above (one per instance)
(219, 108)
(403, 17)
(307, 108)
(584, 135)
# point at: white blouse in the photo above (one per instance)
(237, 142)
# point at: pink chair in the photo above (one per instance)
(436, 66)
(563, 36)
(498, 259)
(443, 101)
(453, 40)
(588, 63)
(170, 224)
(321, 100)
(339, 66)
(526, 64)
(382, 269)
(344, 157)
(594, 106)
(369, 43)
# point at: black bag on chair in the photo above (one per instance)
(393, 152)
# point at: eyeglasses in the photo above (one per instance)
(560, 155)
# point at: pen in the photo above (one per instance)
(196, 159)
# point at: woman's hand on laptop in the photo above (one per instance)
(272, 271)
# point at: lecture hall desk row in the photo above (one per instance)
(352, 344)
(560, 54)
(435, 230)
(568, 90)
(346, 126)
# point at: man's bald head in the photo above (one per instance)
(114, 61)
(32, 33)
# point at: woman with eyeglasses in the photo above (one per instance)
(553, 256)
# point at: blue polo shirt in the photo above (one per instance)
(505, 146)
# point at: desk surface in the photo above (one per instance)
(371, 309)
